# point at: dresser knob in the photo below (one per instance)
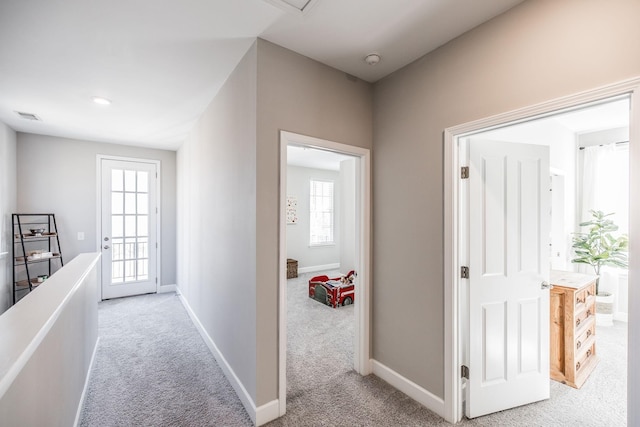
(577, 322)
(577, 366)
(588, 333)
(578, 344)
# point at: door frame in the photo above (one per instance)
(157, 163)
(362, 304)
(453, 384)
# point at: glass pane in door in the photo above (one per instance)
(130, 226)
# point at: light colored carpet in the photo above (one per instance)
(153, 369)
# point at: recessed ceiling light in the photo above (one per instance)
(100, 100)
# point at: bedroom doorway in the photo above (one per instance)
(455, 309)
(356, 242)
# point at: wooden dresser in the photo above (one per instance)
(573, 327)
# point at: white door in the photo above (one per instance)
(128, 228)
(508, 272)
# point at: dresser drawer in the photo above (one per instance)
(584, 357)
(583, 317)
(585, 297)
(586, 336)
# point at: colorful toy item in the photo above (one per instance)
(333, 292)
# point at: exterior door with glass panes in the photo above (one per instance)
(128, 239)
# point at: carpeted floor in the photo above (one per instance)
(153, 369)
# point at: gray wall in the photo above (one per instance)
(298, 234)
(217, 221)
(8, 186)
(58, 175)
(303, 96)
(538, 51)
(52, 357)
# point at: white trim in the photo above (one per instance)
(453, 383)
(621, 316)
(324, 267)
(163, 289)
(245, 398)
(3, 255)
(158, 165)
(267, 412)
(362, 304)
(282, 280)
(83, 397)
(408, 387)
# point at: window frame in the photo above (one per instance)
(312, 194)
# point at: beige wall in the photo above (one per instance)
(538, 51)
(58, 175)
(217, 221)
(299, 95)
(8, 186)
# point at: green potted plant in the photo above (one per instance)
(599, 247)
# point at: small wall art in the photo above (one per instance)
(292, 210)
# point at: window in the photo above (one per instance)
(605, 182)
(321, 213)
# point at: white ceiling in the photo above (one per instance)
(592, 118)
(162, 62)
(314, 158)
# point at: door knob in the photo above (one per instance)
(106, 246)
(546, 285)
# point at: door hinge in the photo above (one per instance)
(156, 280)
(156, 245)
(464, 172)
(464, 371)
(156, 209)
(464, 272)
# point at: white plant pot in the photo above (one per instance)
(604, 309)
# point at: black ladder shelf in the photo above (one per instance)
(36, 251)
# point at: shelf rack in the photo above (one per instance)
(27, 251)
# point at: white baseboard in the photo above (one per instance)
(162, 289)
(621, 317)
(408, 387)
(261, 414)
(83, 396)
(314, 268)
(267, 412)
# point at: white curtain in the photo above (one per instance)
(605, 183)
(605, 187)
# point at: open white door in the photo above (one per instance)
(509, 274)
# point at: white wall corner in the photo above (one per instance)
(408, 387)
(238, 387)
(267, 412)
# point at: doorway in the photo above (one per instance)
(455, 311)
(361, 362)
(128, 221)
